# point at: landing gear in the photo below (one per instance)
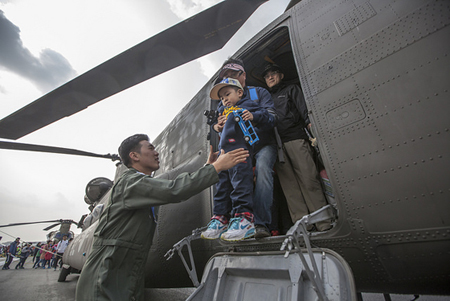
(63, 273)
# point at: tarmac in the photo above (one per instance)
(42, 284)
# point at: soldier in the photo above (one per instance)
(114, 269)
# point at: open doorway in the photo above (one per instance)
(276, 48)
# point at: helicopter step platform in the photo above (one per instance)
(294, 272)
(272, 276)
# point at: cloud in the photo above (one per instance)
(46, 72)
(186, 8)
(2, 89)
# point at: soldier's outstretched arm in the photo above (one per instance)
(230, 159)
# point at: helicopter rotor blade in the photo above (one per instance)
(30, 223)
(74, 222)
(51, 226)
(190, 39)
(62, 221)
(52, 149)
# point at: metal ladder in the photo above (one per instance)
(290, 243)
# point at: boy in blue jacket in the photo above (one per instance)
(234, 196)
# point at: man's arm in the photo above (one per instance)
(227, 160)
(259, 116)
(299, 102)
(141, 191)
(266, 102)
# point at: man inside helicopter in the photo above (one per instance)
(298, 175)
(114, 269)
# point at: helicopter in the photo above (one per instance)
(375, 78)
(64, 228)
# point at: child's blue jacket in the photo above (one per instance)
(232, 137)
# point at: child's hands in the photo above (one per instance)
(246, 115)
(218, 127)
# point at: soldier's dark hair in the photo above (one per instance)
(131, 144)
(234, 61)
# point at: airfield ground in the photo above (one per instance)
(40, 284)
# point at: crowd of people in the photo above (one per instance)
(43, 255)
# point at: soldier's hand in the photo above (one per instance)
(230, 159)
(212, 156)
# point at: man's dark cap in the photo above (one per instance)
(129, 144)
(271, 67)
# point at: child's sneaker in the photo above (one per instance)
(240, 228)
(215, 228)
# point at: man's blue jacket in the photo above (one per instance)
(13, 248)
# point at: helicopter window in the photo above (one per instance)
(87, 221)
(95, 214)
(96, 189)
(97, 211)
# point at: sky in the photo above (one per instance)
(44, 44)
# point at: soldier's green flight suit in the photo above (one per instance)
(114, 269)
